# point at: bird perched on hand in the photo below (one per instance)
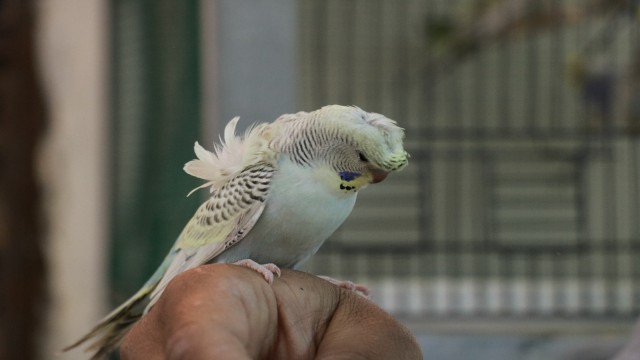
(276, 195)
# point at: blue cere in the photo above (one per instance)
(348, 175)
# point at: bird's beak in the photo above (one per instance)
(378, 175)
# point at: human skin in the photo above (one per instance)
(230, 312)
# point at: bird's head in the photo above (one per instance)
(355, 148)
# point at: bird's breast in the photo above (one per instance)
(300, 214)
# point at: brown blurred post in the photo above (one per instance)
(21, 124)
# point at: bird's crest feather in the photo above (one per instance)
(233, 154)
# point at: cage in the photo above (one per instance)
(522, 195)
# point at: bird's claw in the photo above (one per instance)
(266, 270)
(345, 284)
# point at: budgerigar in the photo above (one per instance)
(276, 195)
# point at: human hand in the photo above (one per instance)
(229, 312)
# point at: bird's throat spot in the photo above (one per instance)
(346, 187)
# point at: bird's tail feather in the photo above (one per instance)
(106, 335)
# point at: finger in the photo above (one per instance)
(215, 311)
(143, 341)
(359, 329)
(305, 305)
(232, 314)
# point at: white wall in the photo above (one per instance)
(73, 58)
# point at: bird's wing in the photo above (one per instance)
(223, 220)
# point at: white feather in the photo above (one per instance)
(232, 155)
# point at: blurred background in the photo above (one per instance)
(513, 234)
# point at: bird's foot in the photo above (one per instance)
(266, 270)
(358, 288)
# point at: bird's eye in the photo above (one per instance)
(362, 157)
